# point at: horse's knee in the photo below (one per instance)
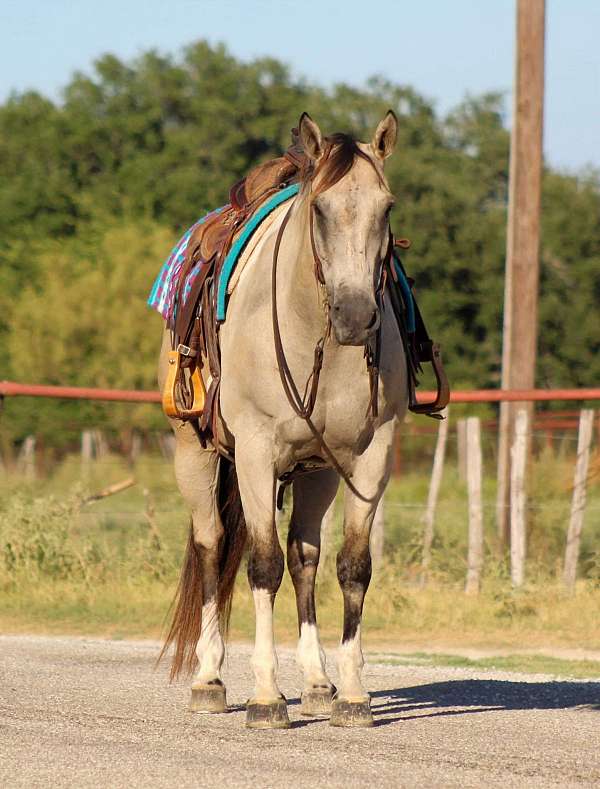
(354, 575)
(354, 569)
(265, 566)
(302, 561)
(301, 556)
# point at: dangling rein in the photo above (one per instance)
(303, 406)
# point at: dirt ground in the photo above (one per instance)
(86, 712)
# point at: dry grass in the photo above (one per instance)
(106, 569)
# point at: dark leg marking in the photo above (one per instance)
(266, 565)
(354, 576)
(303, 560)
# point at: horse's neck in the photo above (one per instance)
(300, 297)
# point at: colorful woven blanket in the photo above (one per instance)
(162, 295)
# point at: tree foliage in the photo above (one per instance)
(96, 189)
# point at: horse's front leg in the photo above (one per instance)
(351, 705)
(313, 494)
(267, 709)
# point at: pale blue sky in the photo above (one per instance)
(443, 48)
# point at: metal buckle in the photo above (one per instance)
(184, 350)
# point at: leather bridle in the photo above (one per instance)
(303, 405)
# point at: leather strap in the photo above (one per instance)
(303, 406)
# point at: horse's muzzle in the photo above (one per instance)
(355, 318)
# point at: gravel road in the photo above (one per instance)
(85, 712)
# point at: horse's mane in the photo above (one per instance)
(341, 151)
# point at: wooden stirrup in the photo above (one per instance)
(169, 398)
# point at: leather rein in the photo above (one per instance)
(303, 405)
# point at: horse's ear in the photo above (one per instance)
(386, 134)
(310, 136)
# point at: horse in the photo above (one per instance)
(327, 253)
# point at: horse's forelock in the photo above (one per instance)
(338, 159)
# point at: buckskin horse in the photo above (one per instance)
(311, 298)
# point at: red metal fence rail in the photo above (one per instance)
(13, 389)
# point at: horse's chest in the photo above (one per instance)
(342, 423)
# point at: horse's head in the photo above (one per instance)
(350, 203)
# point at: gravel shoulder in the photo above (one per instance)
(87, 712)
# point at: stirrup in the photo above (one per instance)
(442, 398)
(169, 398)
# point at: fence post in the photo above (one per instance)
(461, 448)
(474, 465)
(518, 520)
(87, 446)
(26, 459)
(434, 489)
(586, 424)
(100, 444)
(136, 447)
(378, 533)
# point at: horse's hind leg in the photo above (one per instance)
(195, 629)
(313, 494)
(197, 474)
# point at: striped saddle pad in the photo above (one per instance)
(162, 295)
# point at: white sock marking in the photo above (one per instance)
(210, 649)
(264, 660)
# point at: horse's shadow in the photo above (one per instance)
(480, 695)
(475, 696)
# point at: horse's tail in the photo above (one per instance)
(186, 624)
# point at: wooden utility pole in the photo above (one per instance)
(519, 341)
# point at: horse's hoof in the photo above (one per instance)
(267, 716)
(208, 698)
(316, 702)
(351, 713)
